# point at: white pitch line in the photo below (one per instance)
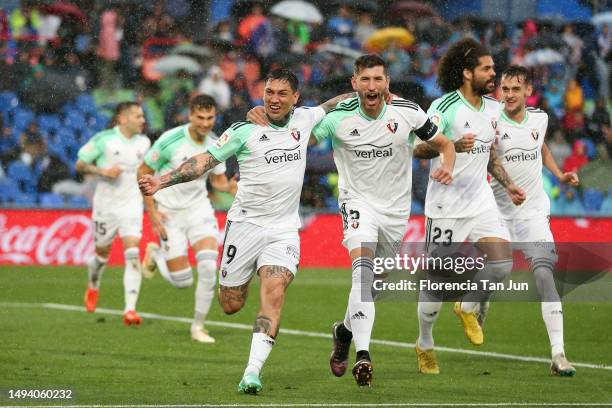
(390, 343)
(324, 405)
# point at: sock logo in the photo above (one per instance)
(359, 316)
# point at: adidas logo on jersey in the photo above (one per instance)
(264, 138)
(505, 136)
(355, 132)
(358, 316)
(466, 126)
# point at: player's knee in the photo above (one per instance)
(207, 268)
(499, 270)
(181, 279)
(231, 306)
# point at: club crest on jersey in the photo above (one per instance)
(494, 124)
(295, 134)
(535, 135)
(392, 125)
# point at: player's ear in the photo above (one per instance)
(468, 74)
(354, 82)
(529, 90)
(296, 96)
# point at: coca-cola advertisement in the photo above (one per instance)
(64, 237)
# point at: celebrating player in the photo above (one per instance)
(183, 213)
(373, 143)
(114, 155)
(523, 151)
(261, 232)
(465, 210)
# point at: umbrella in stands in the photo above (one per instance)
(297, 10)
(336, 49)
(191, 50)
(384, 38)
(413, 7)
(173, 63)
(602, 18)
(66, 10)
(546, 56)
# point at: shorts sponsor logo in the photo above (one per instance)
(373, 151)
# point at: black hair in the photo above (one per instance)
(284, 74)
(518, 71)
(202, 101)
(369, 61)
(464, 54)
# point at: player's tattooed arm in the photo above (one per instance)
(331, 104)
(88, 168)
(424, 151)
(496, 170)
(189, 170)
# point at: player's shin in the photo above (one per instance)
(361, 304)
(494, 272)
(95, 269)
(132, 278)
(261, 345)
(205, 288)
(428, 310)
(552, 311)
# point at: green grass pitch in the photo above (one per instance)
(104, 362)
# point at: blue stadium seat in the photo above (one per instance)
(49, 122)
(75, 120)
(591, 151)
(8, 101)
(98, 122)
(22, 118)
(592, 199)
(85, 103)
(78, 202)
(331, 203)
(9, 190)
(416, 207)
(27, 200)
(23, 175)
(51, 200)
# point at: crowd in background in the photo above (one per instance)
(65, 65)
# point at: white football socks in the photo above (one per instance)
(261, 346)
(361, 312)
(132, 278)
(205, 288)
(95, 269)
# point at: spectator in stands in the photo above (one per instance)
(568, 203)
(6, 140)
(108, 49)
(364, 28)
(25, 21)
(50, 168)
(559, 147)
(554, 123)
(158, 23)
(420, 178)
(574, 97)
(574, 49)
(341, 27)
(223, 31)
(577, 159)
(215, 86)
(555, 97)
(498, 42)
(599, 122)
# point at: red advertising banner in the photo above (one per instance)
(64, 237)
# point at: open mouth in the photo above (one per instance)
(275, 109)
(371, 98)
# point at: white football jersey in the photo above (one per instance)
(272, 162)
(374, 156)
(170, 151)
(520, 151)
(108, 148)
(469, 194)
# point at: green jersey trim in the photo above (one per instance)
(469, 105)
(507, 119)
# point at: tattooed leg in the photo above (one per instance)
(232, 298)
(274, 282)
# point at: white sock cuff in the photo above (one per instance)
(264, 338)
(101, 260)
(131, 253)
(207, 255)
(181, 279)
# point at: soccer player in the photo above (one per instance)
(373, 143)
(523, 151)
(465, 210)
(261, 234)
(183, 213)
(114, 155)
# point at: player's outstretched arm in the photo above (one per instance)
(548, 160)
(446, 150)
(496, 170)
(156, 217)
(88, 168)
(425, 151)
(331, 103)
(189, 170)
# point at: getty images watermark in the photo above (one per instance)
(448, 273)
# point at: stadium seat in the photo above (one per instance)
(49, 122)
(416, 207)
(9, 190)
(592, 199)
(8, 101)
(51, 200)
(86, 104)
(78, 202)
(22, 118)
(27, 200)
(22, 174)
(75, 120)
(591, 151)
